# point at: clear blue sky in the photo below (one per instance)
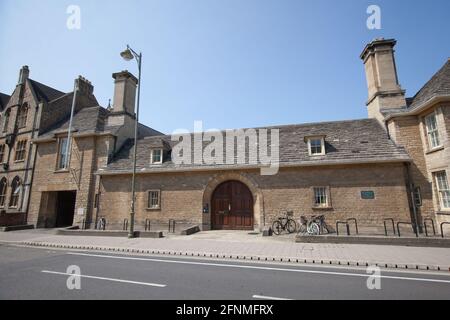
(229, 63)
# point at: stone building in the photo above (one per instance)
(31, 109)
(65, 189)
(395, 164)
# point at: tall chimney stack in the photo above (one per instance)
(124, 92)
(23, 74)
(385, 92)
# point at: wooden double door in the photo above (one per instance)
(232, 207)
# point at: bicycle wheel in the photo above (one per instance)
(302, 229)
(324, 229)
(314, 229)
(291, 226)
(277, 227)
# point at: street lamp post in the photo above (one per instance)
(128, 55)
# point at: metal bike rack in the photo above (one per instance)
(425, 226)
(442, 228)
(385, 228)
(342, 222)
(407, 223)
(125, 224)
(172, 225)
(356, 224)
(147, 225)
(83, 224)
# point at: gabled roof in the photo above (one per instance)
(4, 98)
(91, 120)
(353, 141)
(43, 92)
(438, 85)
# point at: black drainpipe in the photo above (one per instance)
(413, 208)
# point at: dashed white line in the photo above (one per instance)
(107, 279)
(347, 274)
(268, 298)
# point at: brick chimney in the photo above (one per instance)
(124, 92)
(23, 74)
(385, 92)
(84, 86)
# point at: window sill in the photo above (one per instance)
(323, 208)
(154, 209)
(435, 150)
(443, 212)
(61, 171)
(19, 161)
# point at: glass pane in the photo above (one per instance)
(62, 153)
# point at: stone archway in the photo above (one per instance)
(216, 180)
(232, 207)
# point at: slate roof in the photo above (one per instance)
(346, 142)
(4, 98)
(438, 85)
(45, 93)
(92, 120)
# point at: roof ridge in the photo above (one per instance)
(307, 124)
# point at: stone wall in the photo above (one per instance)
(183, 195)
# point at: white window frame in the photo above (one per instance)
(152, 161)
(58, 156)
(322, 145)
(155, 207)
(22, 152)
(433, 136)
(321, 192)
(443, 189)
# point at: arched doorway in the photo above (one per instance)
(232, 207)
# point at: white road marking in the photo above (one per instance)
(258, 267)
(268, 298)
(107, 279)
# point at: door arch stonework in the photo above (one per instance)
(216, 180)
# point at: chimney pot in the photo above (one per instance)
(23, 74)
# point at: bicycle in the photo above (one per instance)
(323, 227)
(315, 226)
(284, 223)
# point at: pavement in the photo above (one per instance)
(241, 245)
(45, 273)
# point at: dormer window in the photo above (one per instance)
(316, 145)
(156, 156)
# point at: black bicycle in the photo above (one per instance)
(284, 223)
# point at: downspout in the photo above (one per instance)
(410, 186)
(29, 185)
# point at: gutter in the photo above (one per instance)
(420, 108)
(103, 172)
(79, 135)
